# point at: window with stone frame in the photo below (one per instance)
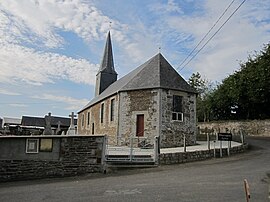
(82, 120)
(102, 113)
(177, 108)
(112, 109)
(88, 118)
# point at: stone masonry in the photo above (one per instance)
(108, 127)
(172, 132)
(78, 155)
(134, 103)
(249, 127)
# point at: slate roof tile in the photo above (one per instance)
(155, 73)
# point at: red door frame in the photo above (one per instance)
(140, 125)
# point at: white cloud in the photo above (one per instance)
(169, 7)
(73, 103)
(7, 92)
(18, 105)
(41, 19)
(245, 32)
(38, 23)
(25, 64)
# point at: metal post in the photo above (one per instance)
(228, 148)
(220, 150)
(185, 148)
(242, 137)
(156, 150)
(214, 148)
(131, 148)
(208, 141)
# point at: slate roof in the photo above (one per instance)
(155, 73)
(33, 121)
(107, 64)
(11, 121)
(40, 121)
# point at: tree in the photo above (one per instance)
(246, 93)
(204, 89)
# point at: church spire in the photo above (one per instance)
(107, 63)
(106, 74)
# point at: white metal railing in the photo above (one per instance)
(140, 150)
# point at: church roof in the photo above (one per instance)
(155, 73)
(107, 64)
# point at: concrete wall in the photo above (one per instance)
(77, 155)
(172, 132)
(253, 127)
(108, 127)
(15, 148)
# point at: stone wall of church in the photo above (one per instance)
(133, 103)
(172, 132)
(94, 125)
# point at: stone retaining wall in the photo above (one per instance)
(181, 157)
(252, 127)
(77, 155)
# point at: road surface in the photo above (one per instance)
(211, 180)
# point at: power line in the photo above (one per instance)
(213, 35)
(207, 33)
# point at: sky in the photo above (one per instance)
(50, 50)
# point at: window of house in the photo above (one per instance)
(102, 113)
(93, 128)
(88, 118)
(82, 120)
(112, 109)
(177, 108)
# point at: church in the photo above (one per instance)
(151, 101)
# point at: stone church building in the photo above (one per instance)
(152, 100)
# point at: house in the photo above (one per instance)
(152, 100)
(30, 125)
(36, 125)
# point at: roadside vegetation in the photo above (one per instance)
(245, 94)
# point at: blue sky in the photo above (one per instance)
(50, 50)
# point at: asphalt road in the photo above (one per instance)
(211, 180)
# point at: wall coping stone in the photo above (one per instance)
(50, 136)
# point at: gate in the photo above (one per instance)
(139, 152)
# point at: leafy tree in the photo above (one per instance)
(246, 93)
(204, 89)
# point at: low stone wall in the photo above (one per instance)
(76, 155)
(253, 127)
(181, 157)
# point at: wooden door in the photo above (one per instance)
(140, 125)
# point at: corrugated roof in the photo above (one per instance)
(155, 73)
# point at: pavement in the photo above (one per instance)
(200, 146)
